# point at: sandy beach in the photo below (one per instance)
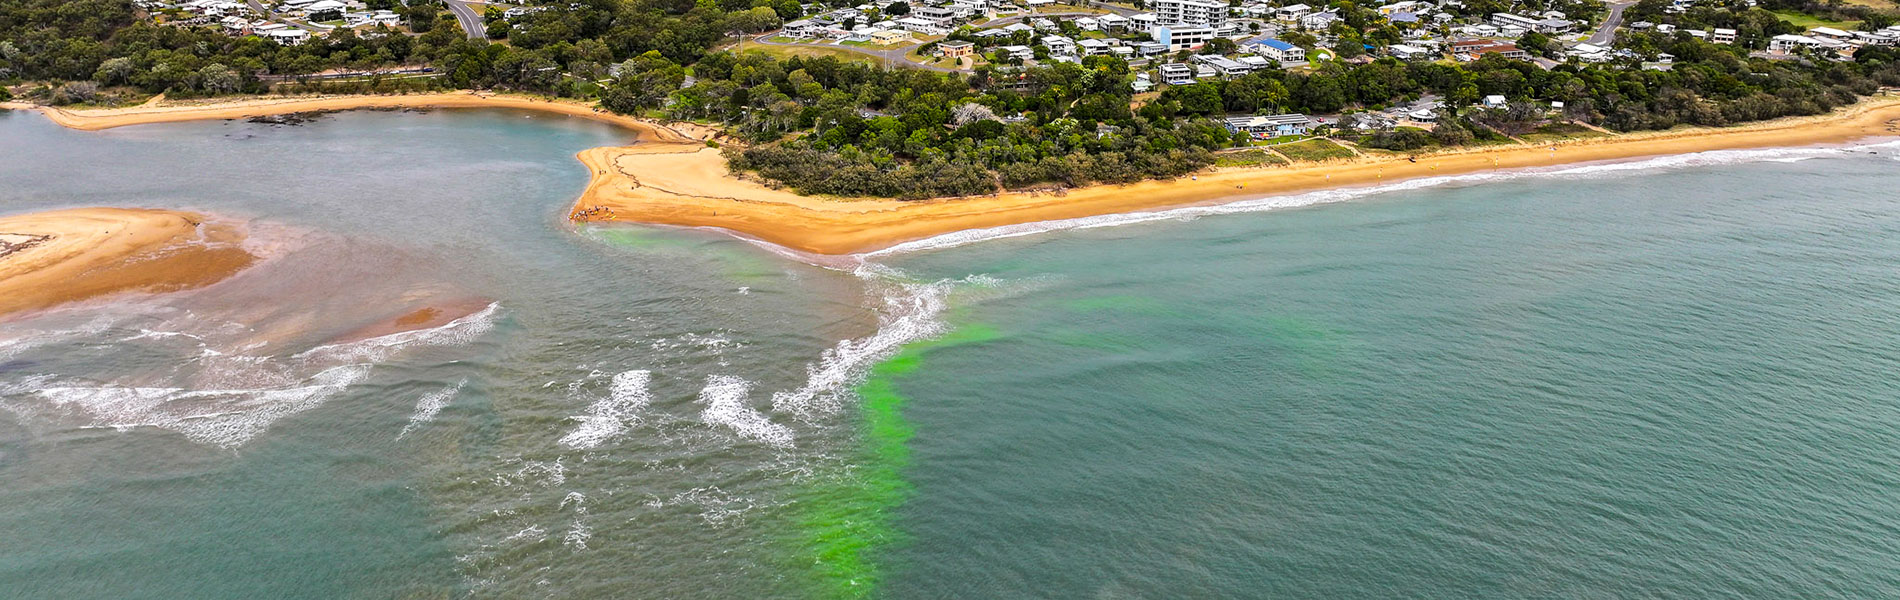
(672, 177)
(60, 256)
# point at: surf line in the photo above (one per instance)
(847, 519)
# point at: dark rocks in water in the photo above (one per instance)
(292, 119)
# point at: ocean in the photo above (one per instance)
(1662, 378)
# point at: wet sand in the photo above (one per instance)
(671, 177)
(63, 256)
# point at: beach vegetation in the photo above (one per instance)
(1314, 150)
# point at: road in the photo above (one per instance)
(469, 17)
(1606, 34)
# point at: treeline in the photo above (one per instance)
(823, 126)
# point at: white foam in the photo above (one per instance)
(376, 349)
(221, 417)
(609, 417)
(233, 397)
(725, 398)
(910, 312)
(1678, 161)
(429, 405)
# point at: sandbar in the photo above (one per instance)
(53, 257)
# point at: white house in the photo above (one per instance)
(1279, 50)
(1271, 125)
(1176, 74)
(923, 26)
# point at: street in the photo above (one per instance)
(470, 17)
(1606, 34)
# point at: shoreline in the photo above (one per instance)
(60, 256)
(671, 177)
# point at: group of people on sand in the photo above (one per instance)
(592, 212)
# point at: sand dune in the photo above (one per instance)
(60, 256)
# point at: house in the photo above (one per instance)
(1292, 12)
(288, 36)
(1786, 43)
(886, 37)
(1270, 126)
(1722, 36)
(800, 29)
(1017, 27)
(1142, 83)
(1115, 22)
(1176, 74)
(1183, 38)
(942, 16)
(1058, 45)
(1319, 21)
(1494, 101)
(1041, 24)
(1830, 33)
(1226, 68)
(1474, 49)
(1017, 52)
(1279, 50)
(1150, 49)
(1093, 47)
(1407, 52)
(324, 10)
(956, 49)
(1257, 63)
(923, 26)
(1502, 20)
(1407, 6)
(1088, 24)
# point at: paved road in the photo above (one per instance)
(470, 17)
(1606, 34)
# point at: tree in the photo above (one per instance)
(1220, 46)
(115, 71)
(74, 92)
(218, 79)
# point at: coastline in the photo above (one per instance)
(61, 256)
(671, 177)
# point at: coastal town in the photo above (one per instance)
(1163, 43)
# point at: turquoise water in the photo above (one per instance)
(1672, 378)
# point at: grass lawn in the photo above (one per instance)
(1560, 131)
(1886, 5)
(1273, 141)
(1314, 150)
(1247, 158)
(1806, 21)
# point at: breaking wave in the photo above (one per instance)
(725, 398)
(610, 416)
(429, 405)
(237, 396)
